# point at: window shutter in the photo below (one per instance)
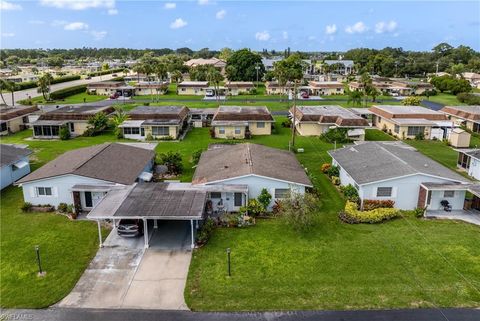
(33, 192)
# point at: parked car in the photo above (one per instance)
(88, 77)
(114, 75)
(305, 95)
(115, 96)
(130, 228)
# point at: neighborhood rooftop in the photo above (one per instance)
(376, 161)
(467, 112)
(75, 112)
(222, 162)
(329, 114)
(176, 113)
(243, 113)
(97, 162)
(10, 154)
(395, 111)
(7, 113)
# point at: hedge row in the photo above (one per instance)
(65, 79)
(352, 215)
(34, 84)
(66, 92)
(104, 72)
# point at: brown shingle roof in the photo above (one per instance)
(7, 113)
(112, 162)
(159, 112)
(230, 161)
(10, 154)
(242, 113)
(466, 112)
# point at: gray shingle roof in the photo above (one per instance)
(118, 163)
(10, 154)
(230, 161)
(375, 161)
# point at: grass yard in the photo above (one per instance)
(374, 134)
(445, 99)
(74, 99)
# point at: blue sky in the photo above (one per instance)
(301, 25)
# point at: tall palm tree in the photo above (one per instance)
(176, 76)
(366, 82)
(160, 70)
(117, 119)
(7, 86)
(44, 85)
(215, 76)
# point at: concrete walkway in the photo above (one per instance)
(465, 216)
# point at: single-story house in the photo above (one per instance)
(473, 78)
(23, 77)
(468, 116)
(14, 163)
(202, 117)
(15, 119)
(379, 85)
(235, 88)
(151, 88)
(406, 87)
(197, 88)
(159, 122)
(215, 62)
(398, 172)
(409, 121)
(83, 176)
(469, 160)
(325, 88)
(105, 88)
(240, 121)
(74, 117)
(316, 120)
(275, 88)
(251, 166)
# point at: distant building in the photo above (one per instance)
(468, 116)
(215, 62)
(344, 67)
(14, 119)
(197, 88)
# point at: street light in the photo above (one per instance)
(39, 262)
(228, 260)
(257, 68)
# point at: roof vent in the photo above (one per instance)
(426, 165)
(225, 166)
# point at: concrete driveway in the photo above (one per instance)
(124, 275)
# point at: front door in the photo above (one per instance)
(88, 199)
(238, 200)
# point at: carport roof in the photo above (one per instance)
(151, 201)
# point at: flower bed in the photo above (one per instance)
(352, 215)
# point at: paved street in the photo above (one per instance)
(60, 314)
(32, 92)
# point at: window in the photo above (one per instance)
(397, 129)
(37, 130)
(238, 130)
(160, 131)
(135, 130)
(281, 192)
(260, 125)
(3, 127)
(221, 130)
(127, 130)
(44, 191)
(238, 197)
(142, 131)
(55, 130)
(215, 195)
(448, 193)
(72, 127)
(384, 191)
(414, 130)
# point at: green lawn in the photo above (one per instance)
(445, 99)
(373, 134)
(74, 99)
(436, 150)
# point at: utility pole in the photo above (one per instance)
(294, 111)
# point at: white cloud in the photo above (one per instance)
(112, 12)
(76, 26)
(285, 35)
(170, 5)
(78, 4)
(58, 23)
(331, 29)
(98, 35)
(262, 36)
(9, 6)
(36, 22)
(221, 14)
(359, 27)
(311, 38)
(203, 2)
(8, 34)
(388, 26)
(178, 23)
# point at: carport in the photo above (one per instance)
(154, 202)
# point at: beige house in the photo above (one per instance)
(15, 119)
(316, 120)
(468, 116)
(238, 122)
(473, 78)
(325, 88)
(459, 138)
(155, 122)
(406, 122)
(274, 88)
(215, 62)
(197, 88)
(75, 118)
(105, 88)
(235, 88)
(151, 88)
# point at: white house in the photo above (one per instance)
(469, 160)
(82, 177)
(251, 167)
(14, 163)
(398, 172)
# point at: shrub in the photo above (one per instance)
(196, 156)
(64, 133)
(287, 123)
(420, 136)
(325, 167)
(64, 79)
(254, 208)
(335, 180)
(333, 171)
(299, 211)
(338, 135)
(173, 161)
(419, 212)
(206, 231)
(146, 104)
(104, 72)
(264, 198)
(412, 101)
(66, 92)
(469, 99)
(369, 205)
(350, 192)
(352, 215)
(26, 207)
(96, 124)
(62, 207)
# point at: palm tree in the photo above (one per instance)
(214, 76)
(354, 97)
(7, 86)
(117, 119)
(160, 70)
(44, 85)
(366, 82)
(176, 76)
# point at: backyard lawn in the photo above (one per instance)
(373, 134)
(74, 99)
(445, 99)
(437, 150)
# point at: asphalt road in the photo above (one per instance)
(60, 314)
(32, 92)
